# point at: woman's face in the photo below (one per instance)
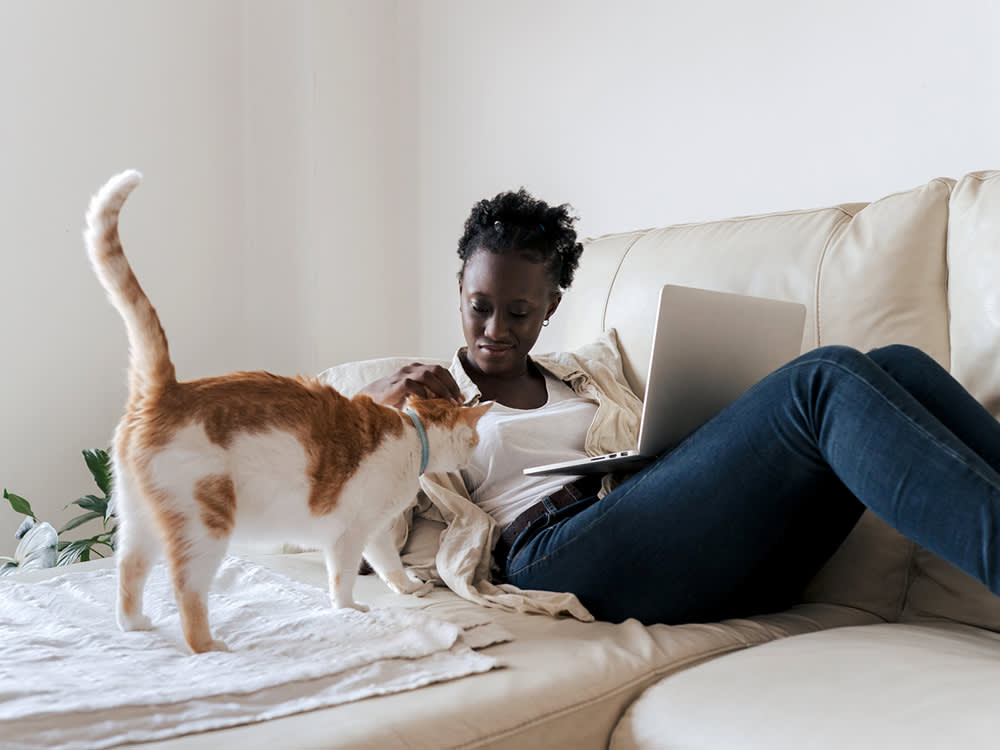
(504, 299)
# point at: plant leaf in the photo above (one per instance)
(92, 502)
(37, 548)
(81, 519)
(99, 464)
(72, 551)
(106, 538)
(19, 504)
(27, 524)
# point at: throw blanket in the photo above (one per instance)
(70, 679)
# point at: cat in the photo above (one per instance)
(254, 453)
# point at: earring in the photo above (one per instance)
(545, 322)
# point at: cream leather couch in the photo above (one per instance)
(890, 647)
(920, 267)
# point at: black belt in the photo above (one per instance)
(568, 495)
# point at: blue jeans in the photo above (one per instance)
(738, 518)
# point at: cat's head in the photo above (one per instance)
(451, 430)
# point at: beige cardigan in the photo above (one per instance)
(450, 539)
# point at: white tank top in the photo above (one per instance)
(513, 439)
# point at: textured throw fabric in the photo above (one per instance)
(70, 679)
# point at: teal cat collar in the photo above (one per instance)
(425, 450)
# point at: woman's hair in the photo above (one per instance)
(516, 222)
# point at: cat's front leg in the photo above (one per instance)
(342, 560)
(381, 554)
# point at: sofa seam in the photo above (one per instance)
(904, 594)
(614, 278)
(652, 676)
(947, 272)
(827, 248)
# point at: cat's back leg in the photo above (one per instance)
(194, 502)
(137, 546)
(195, 545)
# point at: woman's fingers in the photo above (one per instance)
(441, 384)
(419, 380)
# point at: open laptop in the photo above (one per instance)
(708, 348)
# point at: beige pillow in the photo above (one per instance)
(351, 377)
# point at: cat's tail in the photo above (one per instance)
(150, 367)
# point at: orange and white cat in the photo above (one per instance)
(252, 454)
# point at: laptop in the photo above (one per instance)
(708, 348)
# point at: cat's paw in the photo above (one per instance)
(423, 589)
(129, 623)
(210, 645)
(351, 605)
(405, 583)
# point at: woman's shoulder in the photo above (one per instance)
(601, 354)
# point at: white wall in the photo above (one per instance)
(362, 258)
(309, 164)
(88, 89)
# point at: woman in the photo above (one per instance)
(741, 515)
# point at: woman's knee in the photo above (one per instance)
(828, 365)
(899, 354)
(887, 357)
(894, 351)
(832, 353)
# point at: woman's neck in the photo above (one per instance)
(524, 390)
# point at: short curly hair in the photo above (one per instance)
(514, 221)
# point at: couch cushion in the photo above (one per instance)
(870, 570)
(564, 683)
(902, 686)
(940, 590)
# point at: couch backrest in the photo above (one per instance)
(869, 274)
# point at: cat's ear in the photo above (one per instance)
(472, 414)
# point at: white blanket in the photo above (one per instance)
(70, 679)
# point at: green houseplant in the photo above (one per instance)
(40, 545)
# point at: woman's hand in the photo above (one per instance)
(422, 381)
